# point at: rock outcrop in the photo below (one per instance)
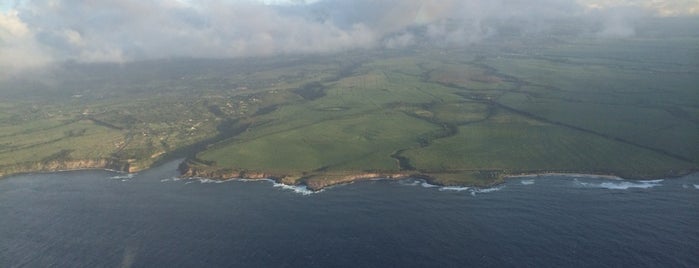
(188, 169)
(58, 165)
(313, 182)
(318, 182)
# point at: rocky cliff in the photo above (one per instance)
(188, 169)
(319, 182)
(58, 165)
(314, 182)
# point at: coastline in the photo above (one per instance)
(565, 174)
(318, 182)
(314, 182)
(71, 165)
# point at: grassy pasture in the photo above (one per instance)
(649, 126)
(84, 139)
(362, 142)
(512, 144)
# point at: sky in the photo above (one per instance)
(35, 33)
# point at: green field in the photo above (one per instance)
(465, 116)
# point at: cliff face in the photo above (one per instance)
(189, 170)
(319, 182)
(58, 165)
(313, 182)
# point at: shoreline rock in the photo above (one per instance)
(66, 165)
(314, 182)
(186, 169)
(317, 182)
(320, 182)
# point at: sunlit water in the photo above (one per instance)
(99, 218)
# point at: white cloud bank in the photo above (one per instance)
(42, 31)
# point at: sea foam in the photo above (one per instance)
(472, 190)
(568, 175)
(124, 177)
(527, 182)
(299, 189)
(172, 179)
(205, 180)
(621, 185)
(475, 191)
(454, 188)
(409, 182)
(427, 185)
(417, 182)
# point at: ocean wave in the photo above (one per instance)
(454, 188)
(472, 190)
(690, 186)
(299, 189)
(621, 185)
(417, 182)
(173, 179)
(488, 190)
(124, 177)
(205, 180)
(409, 182)
(652, 181)
(427, 185)
(527, 182)
(568, 175)
(475, 191)
(190, 180)
(255, 180)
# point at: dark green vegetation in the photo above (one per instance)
(458, 116)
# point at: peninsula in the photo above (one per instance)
(458, 116)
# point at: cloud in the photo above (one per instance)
(660, 7)
(37, 32)
(19, 48)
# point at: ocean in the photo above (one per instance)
(154, 219)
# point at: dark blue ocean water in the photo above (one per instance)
(94, 219)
